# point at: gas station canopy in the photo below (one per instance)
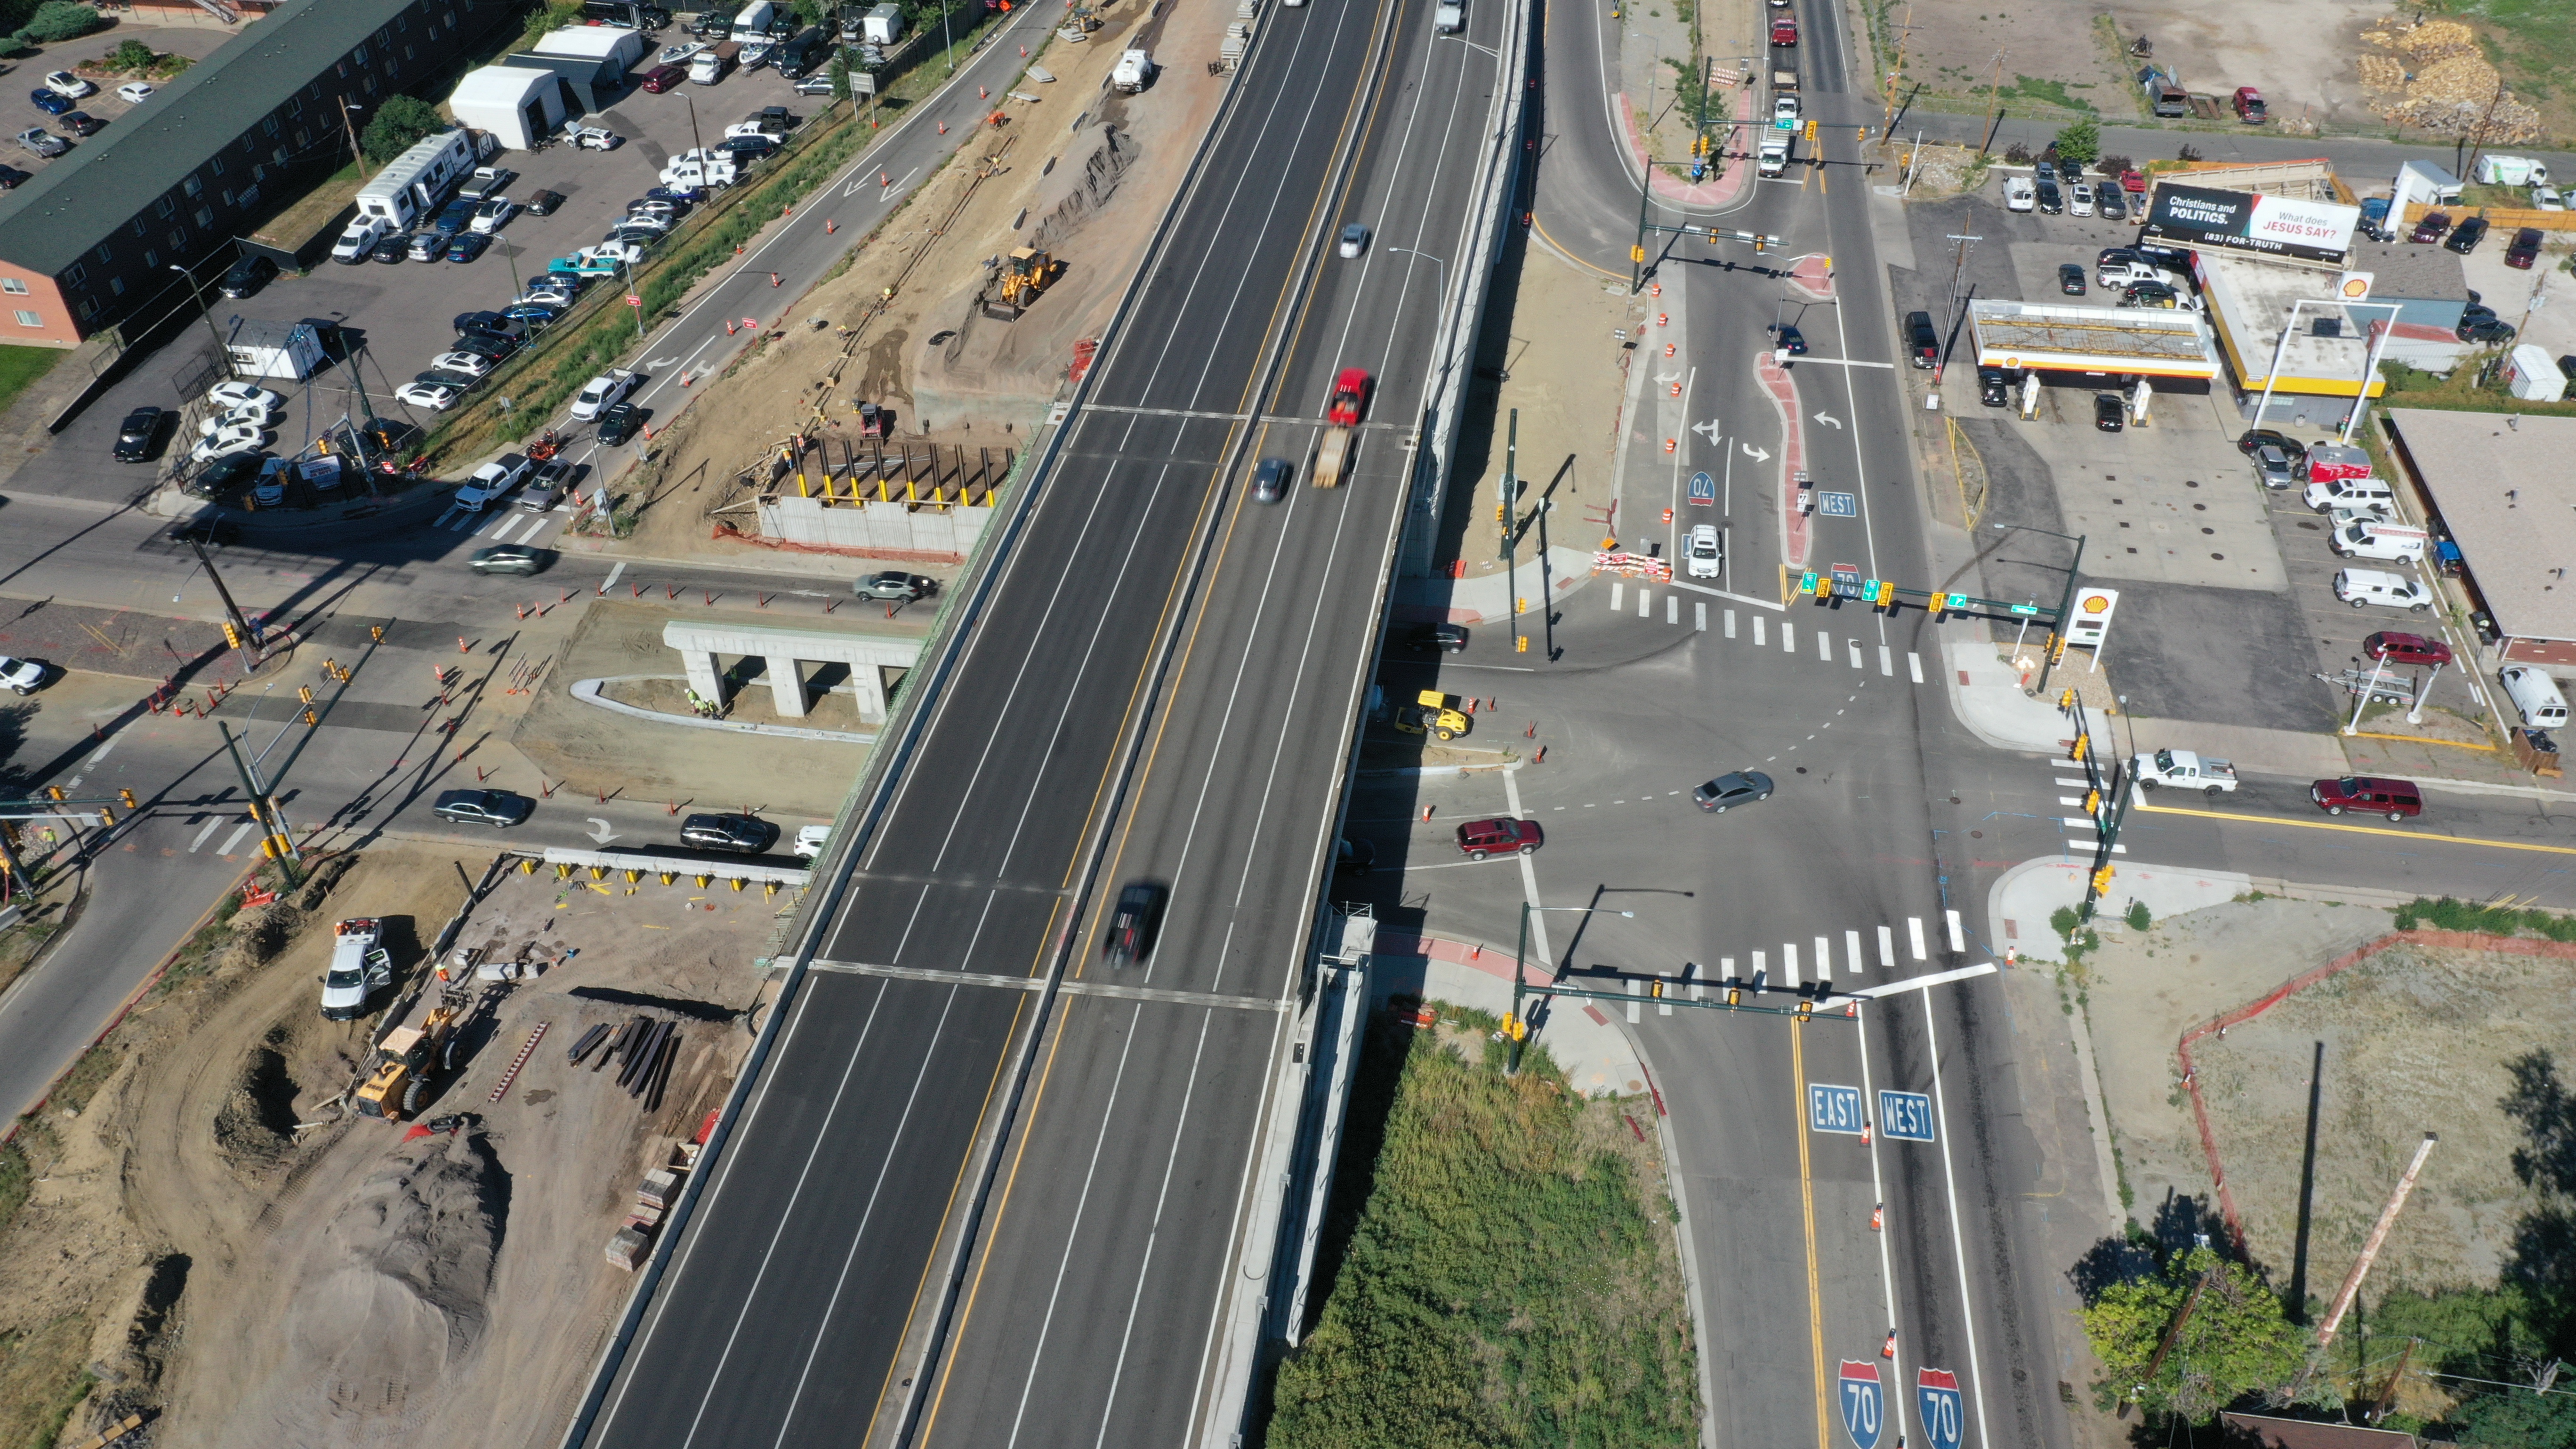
(2138, 341)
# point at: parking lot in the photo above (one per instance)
(404, 312)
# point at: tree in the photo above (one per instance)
(2518, 1419)
(2236, 1341)
(131, 56)
(399, 121)
(840, 75)
(2080, 142)
(60, 20)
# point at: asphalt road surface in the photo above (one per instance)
(1092, 1308)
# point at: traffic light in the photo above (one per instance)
(1806, 1009)
(2066, 698)
(2083, 743)
(253, 809)
(2092, 802)
(1886, 595)
(128, 797)
(54, 793)
(376, 632)
(104, 818)
(1735, 996)
(1938, 604)
(1520, 644)
(232, 635)
(304, 692)
(1655, 988)
(1811, 130)
(312, 719)
(1637, 253)
(1860, 135)
(2102, 881)
(1759, 241)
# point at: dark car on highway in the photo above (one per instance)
(2524, 249)
(140, 434)
(1743, 787)
(735, 834)
(619, 422)
(1480, 838)
(2466, 239)
(1922, 343)
(1131, 923)
(896, 585)
(1270, 480)
(1785, 338)
(484, 807)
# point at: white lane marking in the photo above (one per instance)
(1664, 1005)
(1824, 958)
(1730, 623)
(1788, 636)
(2074, 784)
(1699, 617)
(1634, 1015)
(1958, 938)
(2070, 799)
(1618, 596)
(1851, 950)
(92, 762)
(1645, 601)
(1758, 621)
(1958, 1248)
(1914, 936)
(2085, 822)
(1789, 963)
(1855, 654)
(1824, 647)
(1886, 662)
(1914, 664)
(1760, 970)
(211, 827)
(1673, 610)
(234, 839)
(610, 582)
(1886, 947)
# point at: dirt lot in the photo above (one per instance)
(1025, 180)
(2415, 1041)
(196, 1176)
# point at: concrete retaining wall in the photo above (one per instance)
(912, 530)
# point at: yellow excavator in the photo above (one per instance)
(1022, 276)
(399, 1085)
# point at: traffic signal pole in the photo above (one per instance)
(278, 841)
(237, 627)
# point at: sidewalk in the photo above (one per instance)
(1485, 597)
(1701, 196)
(1588, 1046)
(1988, 696)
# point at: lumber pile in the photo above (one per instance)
(2436, 79)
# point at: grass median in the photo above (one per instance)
(1500, 1269)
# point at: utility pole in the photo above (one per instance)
(1950, 316)
(1508, 512)
(238, 630)
(2057, 626)
(1896, 76)
(2476, 140)
(277, 841)
(2171, 1334)
(223, 354)
(356, 156)
(1994, 103)
(1637, 252)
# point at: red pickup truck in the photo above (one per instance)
(2249, 105)
(1784, 30)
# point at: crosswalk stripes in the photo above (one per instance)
(1728, 625)
(1812, 961)
(2072, 789)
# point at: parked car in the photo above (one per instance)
(2051, 201)
(359, 969)
(1480, 838)
(139, 436)
(895, 584)
(490, 324)
(1270, 480)
(665, 77)
(2019, 193)
(2070, 279)
(2109, 413)
(734, 834)
(472, 364)
(23, 676)
(247, 276)
(543, 203)
(2079, 199)
(1130, 935)
(82, 123)
(2547, 198)
(223, 477)
(63, 82)
(811, 840)
(510, 558)
(2524, 249)
(2108, 203)
(256, 415)
(225, 441)
(492, 213)
(2369, 794)
(2399, 648)
(52, 103)
(534, 314)
(1922, 343)
(487, 181)
(2254, 438)
(499, 808)
(455, 217)
(438, 397)
(11, 178)
(468, 245)
(396, 247)
(2430, 227)
(1741, 787)
(2364, 587)
(2273, 468)
(230, 395)
(42, 142)
(2489, 330)
(1994, 389)
(486, 344)
(421, 246)
(596, 138)
(2149, 294)
(2471, 232)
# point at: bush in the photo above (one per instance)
(2139, 919)
(2017, 154)
(2447, 914)
(56, 21)
(130, 56)
(400, 121)
(2080, 142)
(2114, 165)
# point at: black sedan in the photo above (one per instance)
(544, 203)
(734, 834)
(82, 123)
(139, 436)
(1131, 924)
(2466, 239)
(620, 421)
(499, 808)
(2291, 448)
(2070, 279)
(2109, 413)
(247, 276)
(1785, 338)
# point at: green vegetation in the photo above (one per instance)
(2080, 142)
(2532, 42)
(2139, 917)
(2235, 1342)
(2447, 914)
(2071, 929)
(17, 1179)
(56, 21)
(2045, 92)
(545, 19)
(130, 55)
(2470, 388)
(21, 366)
(42, 1380)
(399, 121)
(1503, 1278)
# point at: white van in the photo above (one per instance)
(752, 23)
(2388, 542)
(1774, 155)
(360, 238)
(2358, 587)
(1449, 17)
(2351, 493)
(2535, 694)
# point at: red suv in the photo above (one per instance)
(2396, 799)
(663, 78)
(1481, 838)
(2406, 648)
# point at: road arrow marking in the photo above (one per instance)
(1709, 428)
(1668, 377)
(603, 834)
(658, 363)
(1758, 455)
(1829, 420)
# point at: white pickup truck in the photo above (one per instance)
(2184, 770)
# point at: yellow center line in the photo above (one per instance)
(2416, 836)
(1807, 1198)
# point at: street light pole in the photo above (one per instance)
(1516, 1026)
(2065, 600)
(223, 354)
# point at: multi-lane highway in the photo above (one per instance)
(1162, 688)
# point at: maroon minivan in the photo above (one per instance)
(2396, 799)
(664, 77)
(1481, 838)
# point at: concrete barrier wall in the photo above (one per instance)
(908, 529)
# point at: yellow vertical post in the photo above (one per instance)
(911, 491)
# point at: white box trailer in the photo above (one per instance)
(418, 180)
(2534, 375)
(292, 350)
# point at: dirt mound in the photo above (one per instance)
(394, 1295)
(2445, 86)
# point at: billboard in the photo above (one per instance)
(2242, 221)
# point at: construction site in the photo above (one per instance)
(890, 419)
(434, 1202)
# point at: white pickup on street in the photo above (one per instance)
(2183, 770)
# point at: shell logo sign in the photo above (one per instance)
(2090, 620)
(2354, 286)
